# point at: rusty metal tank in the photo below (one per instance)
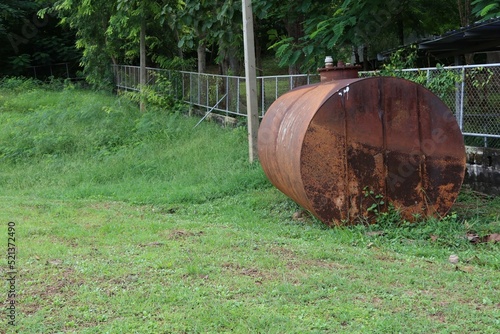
(347, 146)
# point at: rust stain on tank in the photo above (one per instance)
(323, 145)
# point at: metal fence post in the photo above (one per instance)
(460, 101)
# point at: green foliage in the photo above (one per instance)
(376, 25)
(486, 9)
(294, 47)
(108, 32)
(377, 199)
(28, 40)
(399, 60)
(449, 232)
(18, 84)
(158, 95)
(442, 82)
(175, 63)
(302, 32)
(90, 21)
(196, 20)
(379, 212)
(480, 77)
(20, 62)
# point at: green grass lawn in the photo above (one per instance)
(140, 223)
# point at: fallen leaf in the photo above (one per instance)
(453, 259)
(495, 237)
(56, 262)
(132, 278)
(474, 238)
(434, 238)
(299, 215)
(466, 269)
(375, 233)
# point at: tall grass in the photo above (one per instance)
(92, 144)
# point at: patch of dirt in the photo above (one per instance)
(376, 301)
(65, 280)
(324, 264)
(152, 244)
(64, 285)
(386, 257)
(254, 273)
(182, 234)
(122, 283)
(439, 316)
(283, 252)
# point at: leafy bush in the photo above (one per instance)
(441, 83)
(156, 96)
(19, 84)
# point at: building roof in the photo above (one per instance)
(478, 37)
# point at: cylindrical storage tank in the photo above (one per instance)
(342, 149)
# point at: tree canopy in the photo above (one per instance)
(27, 39)
(180, 33)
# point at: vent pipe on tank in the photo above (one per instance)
(339, 72)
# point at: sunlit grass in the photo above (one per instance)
(141, 223)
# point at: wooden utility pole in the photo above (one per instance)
(142, 56)
(251, 79)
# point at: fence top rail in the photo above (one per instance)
(118, 65)
(283, 76)
(306, 75)
(458, 67)
(196, 73)
(287, 76)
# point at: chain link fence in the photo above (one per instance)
(471, 92)
(212, 92)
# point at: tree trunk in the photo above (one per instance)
(202, 53)
(356, 55)
(180, 53)
(464, 9)
(234, 61)
(294, 29)
(258, 51)
(401, 31)
(258, 58)
(366, 64)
